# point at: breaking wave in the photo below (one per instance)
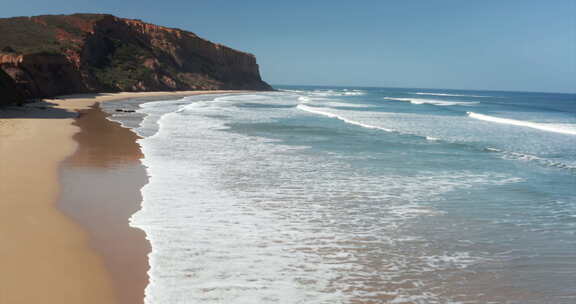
(435, 102)
(569, 129)
(344, 119)
(449, 95)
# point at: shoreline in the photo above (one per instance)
(43, 247)
(100, 189)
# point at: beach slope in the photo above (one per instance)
(45, 256)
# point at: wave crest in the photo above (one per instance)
(449, 95)
(344, 119)
(435, 102)
(569, 129)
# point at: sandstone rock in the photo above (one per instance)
(65, 54)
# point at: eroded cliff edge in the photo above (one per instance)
(66, 54)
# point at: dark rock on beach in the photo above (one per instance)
(9, 93)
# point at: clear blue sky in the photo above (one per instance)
(527, 45)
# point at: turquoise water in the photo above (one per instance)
(360, 195)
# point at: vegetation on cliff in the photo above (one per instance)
(65, 54)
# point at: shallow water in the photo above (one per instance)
(359, 195)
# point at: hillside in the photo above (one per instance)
(66, 54)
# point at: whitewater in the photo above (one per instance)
(342, 195)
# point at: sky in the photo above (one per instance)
(526, 45)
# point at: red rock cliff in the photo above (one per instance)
(56, 55)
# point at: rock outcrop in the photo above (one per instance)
(66, 54)
(9, 94)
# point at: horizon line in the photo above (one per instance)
(424, 88)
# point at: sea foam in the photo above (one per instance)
(298, 228)
(450, 95)
(569, 129)
(344, 119)
(436, 102)
(253, 200)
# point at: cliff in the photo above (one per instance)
(9, 94)
(66, 54)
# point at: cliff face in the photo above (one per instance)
(9, 94)
(56, 55)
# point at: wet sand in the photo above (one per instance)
(44, 257)
(101, 185)
(48, 255)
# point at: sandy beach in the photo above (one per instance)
(70, 242)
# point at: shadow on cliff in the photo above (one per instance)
(43, 110)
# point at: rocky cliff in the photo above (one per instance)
(9, 94)
(65, 54)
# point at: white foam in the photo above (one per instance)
(529, 157)
(244, 97)
(345, 105)
(344, 119)
(332, 93)
(153, 111)
(329, 102)
(228, 227)
(449, 95)
(354, 93)
(541, 160)
(419, 101)
(569, 129)
(403, 123)
(454, 260)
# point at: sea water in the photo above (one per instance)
(359, 195)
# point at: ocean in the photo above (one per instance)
(359, 195)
